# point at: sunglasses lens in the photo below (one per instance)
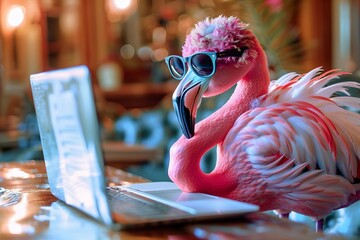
(202, 64)
(177, 67)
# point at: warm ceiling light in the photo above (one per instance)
(122, 4)
(120, 10)
(15, 16)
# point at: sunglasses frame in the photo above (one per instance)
(186, 61)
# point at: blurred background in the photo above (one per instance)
(124, 43)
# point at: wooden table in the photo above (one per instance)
(39, 215)
(119, 155)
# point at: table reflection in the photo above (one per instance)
(67, 223)
(9, 197)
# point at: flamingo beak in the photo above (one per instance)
(186, 100)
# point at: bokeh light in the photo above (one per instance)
(15, 16)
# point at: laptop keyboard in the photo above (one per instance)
(133, 205)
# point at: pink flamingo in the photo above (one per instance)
(286, 145)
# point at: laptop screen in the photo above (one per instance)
(69, 132)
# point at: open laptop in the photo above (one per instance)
(69, 132)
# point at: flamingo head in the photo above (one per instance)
(217, 54)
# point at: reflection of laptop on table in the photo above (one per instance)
(70, 140)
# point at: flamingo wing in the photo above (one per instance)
(301, 143)
(316, 105)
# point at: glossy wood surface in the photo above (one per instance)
(39, 215)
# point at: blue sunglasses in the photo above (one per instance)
(203, 64)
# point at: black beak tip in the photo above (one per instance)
(188, 126)
(186, 121)
(188, 135)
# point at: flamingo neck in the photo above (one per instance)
(186, 154)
